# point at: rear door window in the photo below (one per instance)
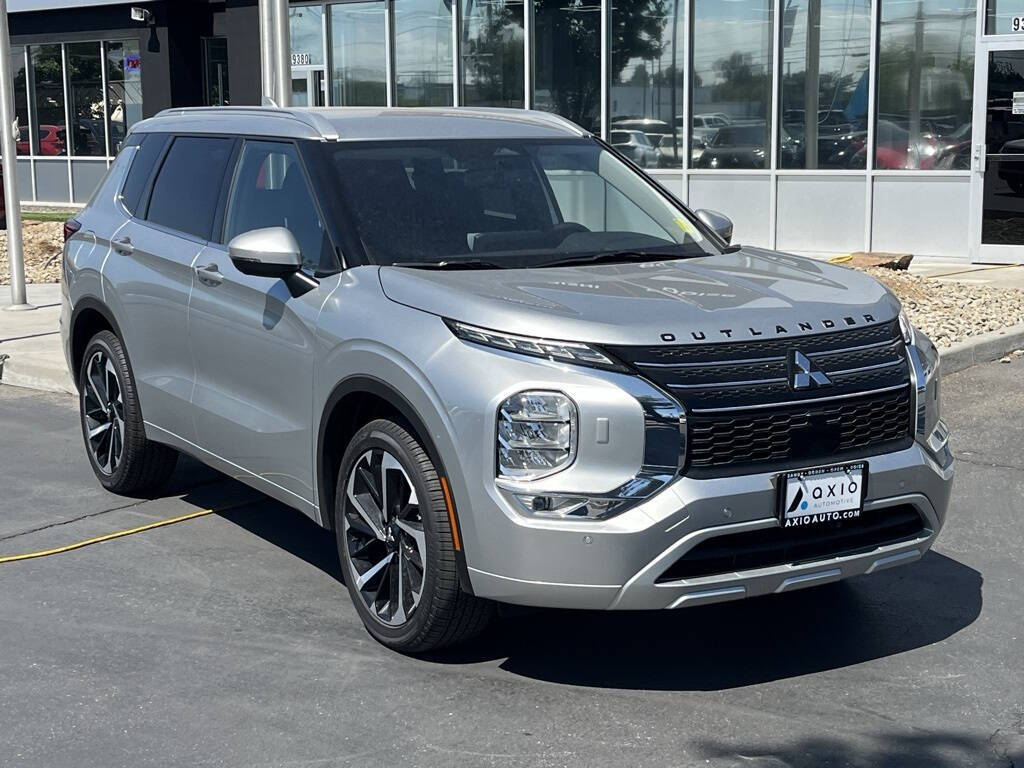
(187, 188)
(148, 150)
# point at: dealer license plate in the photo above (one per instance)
(825, 495)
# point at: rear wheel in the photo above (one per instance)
(123, 459)
(397, 546)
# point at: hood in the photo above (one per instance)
(750, 294)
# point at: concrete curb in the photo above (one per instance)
(35, 372)
(981, 349)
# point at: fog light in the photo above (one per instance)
(568, 507)
(536, 435)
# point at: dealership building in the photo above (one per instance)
(816, 125)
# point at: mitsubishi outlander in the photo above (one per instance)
(498, 361)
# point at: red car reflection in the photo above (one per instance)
(51, 141)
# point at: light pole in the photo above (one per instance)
(282, 54)
(275, 52)
(9, 152)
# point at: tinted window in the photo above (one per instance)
(187, 189)
(148, 152)
(270, 190)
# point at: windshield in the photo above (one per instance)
(502, 203)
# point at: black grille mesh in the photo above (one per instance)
(744, 411)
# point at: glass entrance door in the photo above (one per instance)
(308, 87)
(999, 157)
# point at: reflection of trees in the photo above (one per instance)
(741, 80)
(574, 35)
(493, 56)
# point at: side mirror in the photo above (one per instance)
(271, 252)
(721, 225)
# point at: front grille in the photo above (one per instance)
(807, 433)
(790, 546)
(744, 411)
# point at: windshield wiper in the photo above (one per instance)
(455, 264)
(628, 255)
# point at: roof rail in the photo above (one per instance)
(309, 118)
(524, 115)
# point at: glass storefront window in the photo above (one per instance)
(85, 99)
(359, 74)
(492, 53)
(648, 60)
(124, 89)
(1004, 17)
(731, 89)
(825, 60)
(423, 53)
(48, 101)
(925, 83)
(20, 99)
(306, 30)
(567, 75)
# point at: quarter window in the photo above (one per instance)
(187, 189)
(270, 190)
(150, 146)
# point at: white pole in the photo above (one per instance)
(282, 55)
(267, 48)
(9, 152)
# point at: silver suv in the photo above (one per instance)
(497, 360)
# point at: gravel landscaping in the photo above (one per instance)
(43, 244)
(953, 312)
(948, 312)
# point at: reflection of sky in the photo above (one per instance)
(423, 40)
(306, 24)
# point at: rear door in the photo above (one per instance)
(150, 267)
(253, 342)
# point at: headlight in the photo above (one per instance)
(906, 328)
(559, 351)
(536, 435)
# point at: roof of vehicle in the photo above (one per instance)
(364, 123)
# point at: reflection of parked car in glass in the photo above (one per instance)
(1013, 172)
(51, 141)
(637, 147)
(706, 126)
(743, 146)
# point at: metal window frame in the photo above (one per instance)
(69, 159)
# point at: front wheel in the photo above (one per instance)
(396, 544)
(124, 460)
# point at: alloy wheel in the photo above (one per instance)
(103, 407)
(384, 536)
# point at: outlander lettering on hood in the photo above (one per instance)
(801, 326)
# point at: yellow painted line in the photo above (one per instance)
(119, 534)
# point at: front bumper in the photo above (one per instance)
(616, 564)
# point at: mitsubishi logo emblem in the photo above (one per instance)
(804, 374)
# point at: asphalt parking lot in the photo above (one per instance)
(229, 640)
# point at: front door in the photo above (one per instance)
(309, 87)
(998, 154)
(254, 343)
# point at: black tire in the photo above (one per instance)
(444, 614)
(131, 464)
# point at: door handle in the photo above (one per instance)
(209, 274)
(123, 245)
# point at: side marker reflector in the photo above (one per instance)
(451, 513)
